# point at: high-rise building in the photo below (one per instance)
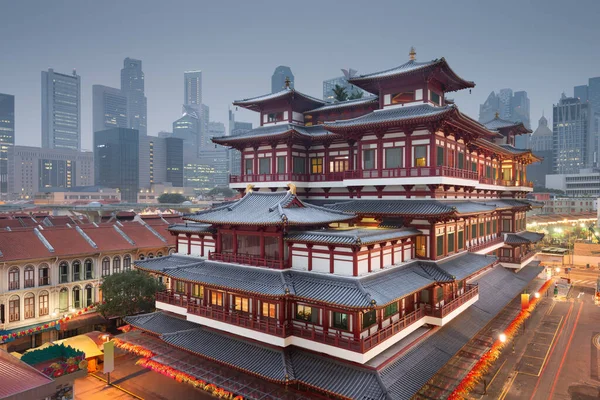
(174, 148)
(187, 128)
(35, 169)
(281, 74)
(160, 161)
(573, 146)
(109, 108)
(116, 161)
(590, 94)
(132, 85)
(7, 137)
(540, 144)
(352, 91)
(61, 110)
(192, 94)
(514, 107)
(581, 93)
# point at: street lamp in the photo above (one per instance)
(537, 295)
(502, 337)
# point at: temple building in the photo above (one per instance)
(367, 231)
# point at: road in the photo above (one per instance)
(558, 355)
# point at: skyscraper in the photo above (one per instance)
(590, 94)
(279, 76)
(174, 161)
(581, 93)
(7, 137)
(132, 85)
(116, 161)
(192, 93)
(109, 108)
(61, 110)
(187, 128)
(541, 145)
(573, 146)
(509, 106)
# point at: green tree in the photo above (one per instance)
(224, 191)
(356, 94)
(128, 293)
(339, 93)
(171, 198)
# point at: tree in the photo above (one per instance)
(356, 94)
(224, 191)
(339, 93)
(128, 293)
(171, 198)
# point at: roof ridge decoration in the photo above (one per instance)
(42, 239)
(86, 237)
(129, 240)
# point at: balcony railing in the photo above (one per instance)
(13, 285)
(175, 299)
(502, 182)
(44, 280)
(470, 292)
(271, 327)
(246, 259)
(488, 243)
(518, 260)
(412, 173)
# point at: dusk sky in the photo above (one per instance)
(543, 47)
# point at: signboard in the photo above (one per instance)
(524, 301)
(109, 357)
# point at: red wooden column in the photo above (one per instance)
(310, 256)
(355, 261)
(273, 159)
(255, 162)
(356, 329)
(235, 242)
(394, 243)
(254, 308)
(351, 155)
(201, 245)
(331, 261)
(408, 157)
(262, 245)
(379, 152)
(242, 163)
(290, 255)
(177, 243)
(189, 238)
(218, 245)
(369, 248)
(325, 320)
(326, 160)
(280, 240)
(381, 246)
(289, 159)
(433, 252)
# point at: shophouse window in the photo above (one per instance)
(390, 310)
(393, 157)
(420, 156)
(369, 159)
(306, 313)
(340, 320)
(29, 276)
(269, 310)
(76, 265)
(369, 318)
(105, 266)
(89, 295)
(14, 309)
(316, 165)
(89, 269)
(77, 297)
(264, 165)
(29, 305)
(44, 303)
(44, 275)
(127, 263)
(63, 269)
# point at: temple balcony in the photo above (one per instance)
(518, 262)
(487, 246)
(508, 184)
(247, 259)
(471, 292)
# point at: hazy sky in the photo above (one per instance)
(544, 47)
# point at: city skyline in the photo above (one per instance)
(219, 59)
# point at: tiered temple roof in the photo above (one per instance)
(525, 237)
(287, 94)
(351, 236)
(278, 131)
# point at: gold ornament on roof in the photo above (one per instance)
(287, 82)
(292, 188)
(497, 115)
(412, 54)
(249, 188)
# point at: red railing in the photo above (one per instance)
(479, 246)
(501, 182)
(175, 299)
(269, 178)
(470, 292)
(246, 321)
(390, 330)
(246, 259)
(518, 260)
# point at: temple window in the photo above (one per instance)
(474, 231)
(420, 156)
(507, 174)
(440, 156)
(226, 242)
(316, 165)
(421, 249)
(264, 165)
(216, 298)
(306, 313)
(281, 165)
(403, 97)
(461, 160)
(434, 98)
(393, 157)
(488, 171)
(494, 226)
(439, 245)
(272, 247)
(474, 166)
(274, 117)
(488, 227)
(299, 165)
(461, 240)
(390, 310)
(369, 318)
(451, 242)
(439, 294)
(340, 320)
(506, 225)
(198, 291)
(338, 164)
(248, 244)
(248, 165)
(180, 287)
(269, 310)
(481, 231)
(369, 159)
(241, 304)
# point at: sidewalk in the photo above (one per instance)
(91, 388)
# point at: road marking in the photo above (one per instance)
(117, 387)
(596, 341)
(562, 361)
(580, 294)
(510, 382)
(498, 371)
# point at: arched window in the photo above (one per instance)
(159, 254)
(13, 278)
(150, 255)
(76, 297)
(127, 263)
(105, 266)
(63, 300)
(89, 295)
(29, 305)
(89, 269)
(116, 265)
(44, 300)
(29, 276)
(141, 257)
(63, 272)
(14, 309)
(76, 266)
(44, 275)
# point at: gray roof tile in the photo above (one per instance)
(352, 236)
(346, 104)
(523, 237)
(168, 262)
(499, 123)
(391, 207)
(465, 264)
(277, 95)
(159, 323)
(191, 228)
(308, 132)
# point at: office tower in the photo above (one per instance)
(7, 137)
(35, 169)
(215, 129)
(187, 128)
(132, 85)
(174, 165)
(514, 107)
(61, 110)
(279, 77)
(540, 144)
(351, 90)
(192, 93)
(573, 146)
(116, 161)
(581, 93)
(109, 108)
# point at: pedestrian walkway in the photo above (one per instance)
(92, 388)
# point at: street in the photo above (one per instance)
(556, 356)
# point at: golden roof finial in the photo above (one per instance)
(412, 54)
(292, 188)
(287, 82)
(249, 188)
(497, 115)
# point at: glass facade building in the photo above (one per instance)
(7, 137)
(175, 161)
(279, 76)
(132, 85)
(61, 110)
(109, 108)
(192, 91)
(573, 146)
